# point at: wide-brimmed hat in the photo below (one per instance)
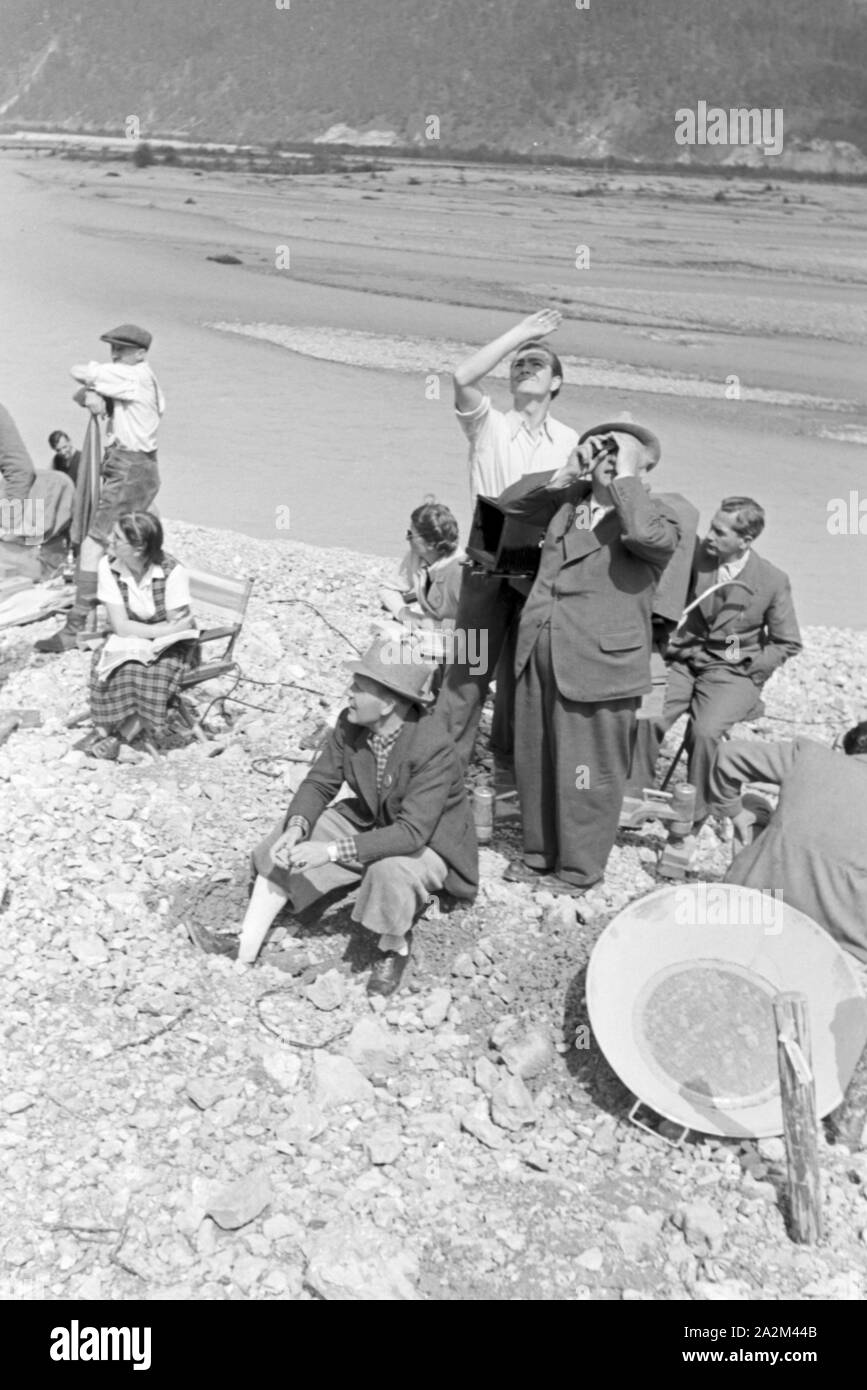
(127, 335)
(400, 665)
(645, 436)
(680, 991)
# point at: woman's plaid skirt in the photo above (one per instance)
(143, 690)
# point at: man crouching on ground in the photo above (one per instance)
(406, 833)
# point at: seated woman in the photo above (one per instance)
(153, 636)
(426, 598)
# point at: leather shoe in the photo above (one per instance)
(65, 639)
(555, 884)
(212, 943)
(387, 973)
(519, 872)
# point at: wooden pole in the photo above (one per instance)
(800, 1129)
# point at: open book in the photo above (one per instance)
(118, 650)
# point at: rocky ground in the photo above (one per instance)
(172, 1129)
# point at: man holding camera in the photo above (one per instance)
(583, 655)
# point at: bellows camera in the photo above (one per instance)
(504, 545)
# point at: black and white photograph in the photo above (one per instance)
(433, 663)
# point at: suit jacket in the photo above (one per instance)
(814, 849)
(596, 587)
(423, 801)
(671, 594)
(761, 616)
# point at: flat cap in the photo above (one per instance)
(127, 335)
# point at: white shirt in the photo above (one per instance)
(140, 591)
(502, 449)
(731, 570)
(138, 401)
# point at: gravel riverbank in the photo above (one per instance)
(172, 1130)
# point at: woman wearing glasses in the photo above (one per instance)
(425, 599)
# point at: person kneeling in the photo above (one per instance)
(406, 833)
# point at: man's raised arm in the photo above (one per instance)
(468, 397)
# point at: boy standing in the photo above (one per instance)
(128, 392)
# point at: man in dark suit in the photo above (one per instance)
(406, 832)
(583, 653)
(742, 627)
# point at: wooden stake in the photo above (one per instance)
(800, 1129)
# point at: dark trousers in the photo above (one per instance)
(490, 610)
(716, 697)
(571, 765)
(129, 482)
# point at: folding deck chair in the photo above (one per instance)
(215, 598)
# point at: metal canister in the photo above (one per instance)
(483, 814)
(682, 808)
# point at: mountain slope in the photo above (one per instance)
(503, 73)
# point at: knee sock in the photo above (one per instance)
(85, 599)
(265, 902)
(398, 944)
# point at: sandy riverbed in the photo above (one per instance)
(313, 393)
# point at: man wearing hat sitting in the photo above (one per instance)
(406, 832)
(583, 656)
(127, 390)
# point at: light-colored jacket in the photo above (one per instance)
(814, 849)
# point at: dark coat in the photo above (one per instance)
(16, 466)
(761, 616)
(423, 801)
(596, 587)
(814, 849)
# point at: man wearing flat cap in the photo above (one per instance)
(405, 834)
(583, 656)
(126, 390)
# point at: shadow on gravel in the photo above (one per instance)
(217, 905)
(587, 1065)
(15, 656)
